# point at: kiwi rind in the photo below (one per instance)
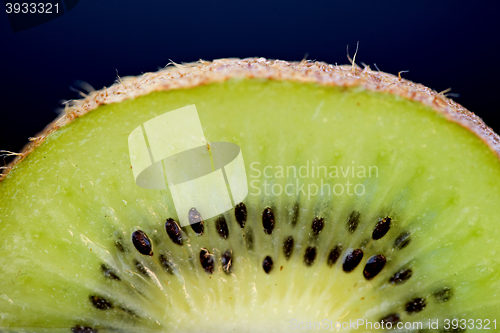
(189, 75)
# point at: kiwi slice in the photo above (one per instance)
(371, 200)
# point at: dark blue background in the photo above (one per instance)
(442, 43)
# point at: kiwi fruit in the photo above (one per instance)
(371, 200)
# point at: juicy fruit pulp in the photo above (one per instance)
(419, 243)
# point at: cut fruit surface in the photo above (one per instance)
(362, 205)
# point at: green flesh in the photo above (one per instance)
(66, 205)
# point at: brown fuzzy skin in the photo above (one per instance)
(203, 72)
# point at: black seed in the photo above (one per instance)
(240, 213)
(309, 255)
(109, 273)
(295, 214)
(119, 246)
(334, 255)
(100, 302)
(415, 305)
(317, 225)
(142, 243)
(167, 265)
(392, 318)
(401, 276)
(173, 231)
(402, 240)
(353, 221)
(207, 261)
(267, 264)
(268, 220)
(249, 239)
(288, 247)
(83, 329)
(227, 261)
(381, 228)
(196, 221)
(140, 267)
(352, 260)
(443, 295)
(373, 266)
(198, 228)
(221, 226)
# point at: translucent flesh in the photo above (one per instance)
(66, 205)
